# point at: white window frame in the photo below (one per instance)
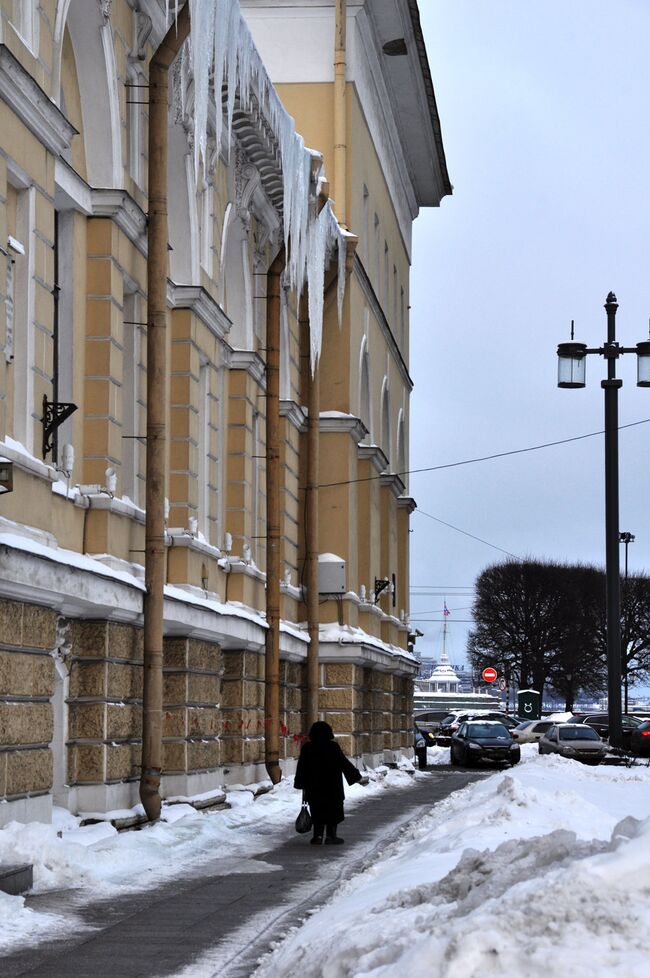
(26, 23)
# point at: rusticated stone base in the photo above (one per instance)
(27, 639)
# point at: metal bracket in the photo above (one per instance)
(54, 414)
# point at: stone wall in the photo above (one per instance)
(192, 722)
(370, 711)
(27, 638)
(104, 703)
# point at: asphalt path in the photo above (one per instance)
(219, 923)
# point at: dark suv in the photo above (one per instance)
(600, 723)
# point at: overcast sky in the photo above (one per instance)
(544, 112)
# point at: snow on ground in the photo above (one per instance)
(527, 872)
(99, 862)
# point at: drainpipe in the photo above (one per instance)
(155, 555)
(272, 652)
(340, 114)
(312, 542)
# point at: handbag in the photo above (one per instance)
(304, 820)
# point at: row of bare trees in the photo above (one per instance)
(543, 625)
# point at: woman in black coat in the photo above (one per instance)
(320, 771)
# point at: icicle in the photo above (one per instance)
(340, 285)
(222, 44)
(318, 231)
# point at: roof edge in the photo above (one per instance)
(431, 97)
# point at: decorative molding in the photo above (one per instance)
(407, 502)
(127, 214)
(28, 101)
(72, 192)
(201, 303)
(105, 6)
(251, 362)
(335, 422)
(362, 278)
(294, 413)
(374, 454)
(143, 29)
(392, 481)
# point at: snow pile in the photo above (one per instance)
(524, 868)
(222, 48)
(99, 862)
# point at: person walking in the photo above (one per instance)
(322, 765)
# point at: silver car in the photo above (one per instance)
(530, 731)
(573, 740)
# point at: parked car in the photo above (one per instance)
(483, 740)
(600, 723)
(640, 740)
(452, 723)
(430, 719)
(577, 741)
(530, 731)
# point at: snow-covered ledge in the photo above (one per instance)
(15, 452)
(344, 643)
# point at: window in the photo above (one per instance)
(25, 21)
(21, 216)
(206, 198)
(366, 225)
(136, 95)
(203, 449)
(386, 282)
(256, 486)
(63, 334)
(133, 425)
(377, 254)
(385, 423)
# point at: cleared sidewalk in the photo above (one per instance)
(220, 922)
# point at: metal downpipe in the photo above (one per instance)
(272, 650)
(155, 551)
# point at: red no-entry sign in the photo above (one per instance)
(489, 674)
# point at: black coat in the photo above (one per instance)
(321, 768)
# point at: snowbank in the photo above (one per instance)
(510, 876)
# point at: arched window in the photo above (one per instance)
(401, 445)
(238, 280)
(364, 387)
(385, 421)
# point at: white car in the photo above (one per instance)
(529, 731)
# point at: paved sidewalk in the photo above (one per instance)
(220, 923)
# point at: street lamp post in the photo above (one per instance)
(571, 374)
(627, 539)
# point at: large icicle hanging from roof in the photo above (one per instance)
(222, 45)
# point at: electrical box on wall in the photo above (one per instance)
(331, 574)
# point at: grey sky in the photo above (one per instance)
(544, 111)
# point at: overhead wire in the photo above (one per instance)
(482, 458)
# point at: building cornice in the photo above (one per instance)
(335, 422)
(374, 454)
(124, 211)
(408, 503)
(202, 304)
(294, 413)
(446, 187)
(28, 101)
(251, 362)
(390, 480)
(361, 276)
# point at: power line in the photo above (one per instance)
(482, 458)
(466, 534)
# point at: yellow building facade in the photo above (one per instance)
(73, 323)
